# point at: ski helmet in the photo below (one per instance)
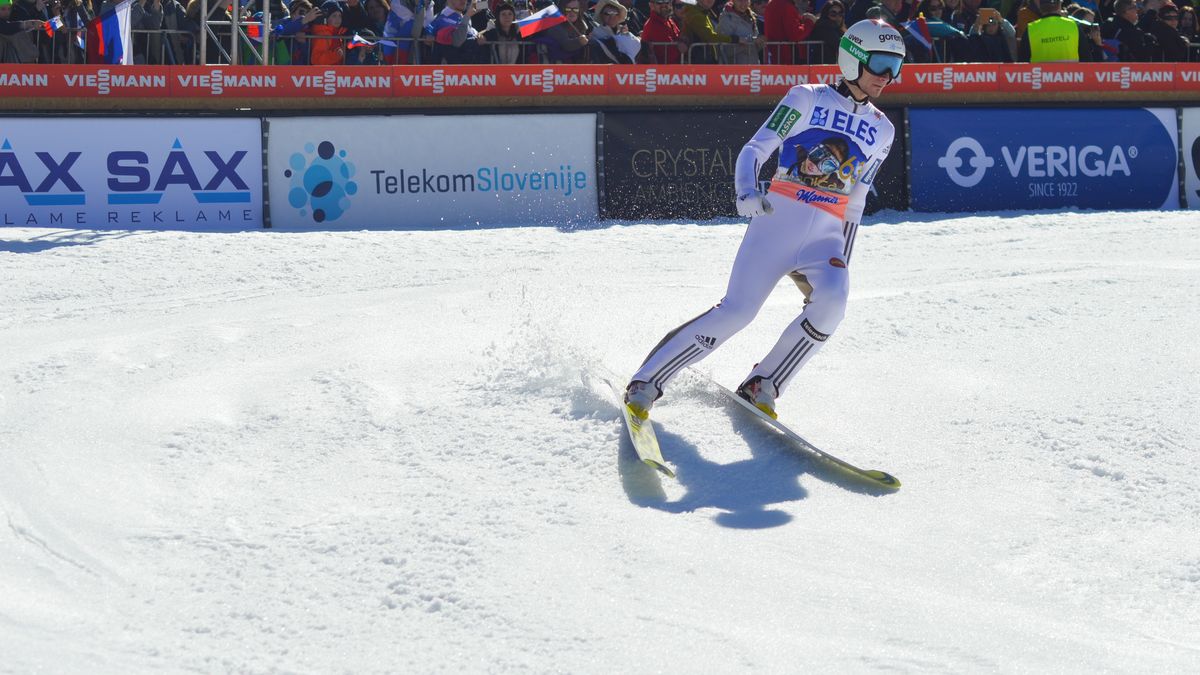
(870, 44)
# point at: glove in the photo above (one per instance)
(753, 204)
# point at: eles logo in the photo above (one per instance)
(133, 178)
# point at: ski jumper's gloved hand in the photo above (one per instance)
(753, 204)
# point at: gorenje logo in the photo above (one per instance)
(321, 185)
(1036, 161)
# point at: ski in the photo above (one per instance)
(874, 476)
(641, 433)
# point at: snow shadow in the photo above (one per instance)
(743, 492)
(61, 239)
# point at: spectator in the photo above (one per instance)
(500, 42)
(1132, 43)
(1172, 45)
(365, 53)
(950, 43)
(787, 21)
(949, 9)
(354, 16)
(759, 7)
(700, 31)
(1027, 14)
(377, 15)
(216, 43)
(988, 43)
(329, 47)
(829, 29)
(522, 7)
(610, 40)
(895, 13)
(737, 21)
(965, 16)
(75, 15)
(1187, 25)
(177, 44)
(635, 19)
(455, 38)
(1054, 37)
(16, 40)
(567, 42)
(661, 42)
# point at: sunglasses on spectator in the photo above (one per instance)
(571, 9)
(1170, 17)
(610, 12)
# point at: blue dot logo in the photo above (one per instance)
(321, 184)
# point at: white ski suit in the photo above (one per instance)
(830, 151)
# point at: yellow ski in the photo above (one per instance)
(873, 476)
(641, 434)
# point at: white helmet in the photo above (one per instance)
(870, 44)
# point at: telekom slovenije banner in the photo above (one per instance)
(358, 82)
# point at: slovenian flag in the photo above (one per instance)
(540, 21)
(54, 25)
(359, 41)
(109, 36)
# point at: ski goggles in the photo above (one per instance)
(884, 64)
(824, 159)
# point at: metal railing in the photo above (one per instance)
(230, 43)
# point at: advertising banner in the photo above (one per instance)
(1191, 157)
(680, 165)
(356, 84)
(675, 165)
(997, 159)
(145, 173)
(431, 171)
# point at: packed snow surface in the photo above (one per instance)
(379, 451)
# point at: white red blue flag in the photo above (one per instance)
(110, 36)
(540, 21)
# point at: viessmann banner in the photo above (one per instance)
(352, 84)
(131, 173)
(996, 159)
(432, 171)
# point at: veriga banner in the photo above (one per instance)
(360, 82)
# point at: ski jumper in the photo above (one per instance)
(830, 149)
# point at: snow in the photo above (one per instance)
(375, 451)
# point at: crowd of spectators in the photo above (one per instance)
(355, 32)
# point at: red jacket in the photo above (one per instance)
(327, 51)
(656, 30)
(782, 22)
